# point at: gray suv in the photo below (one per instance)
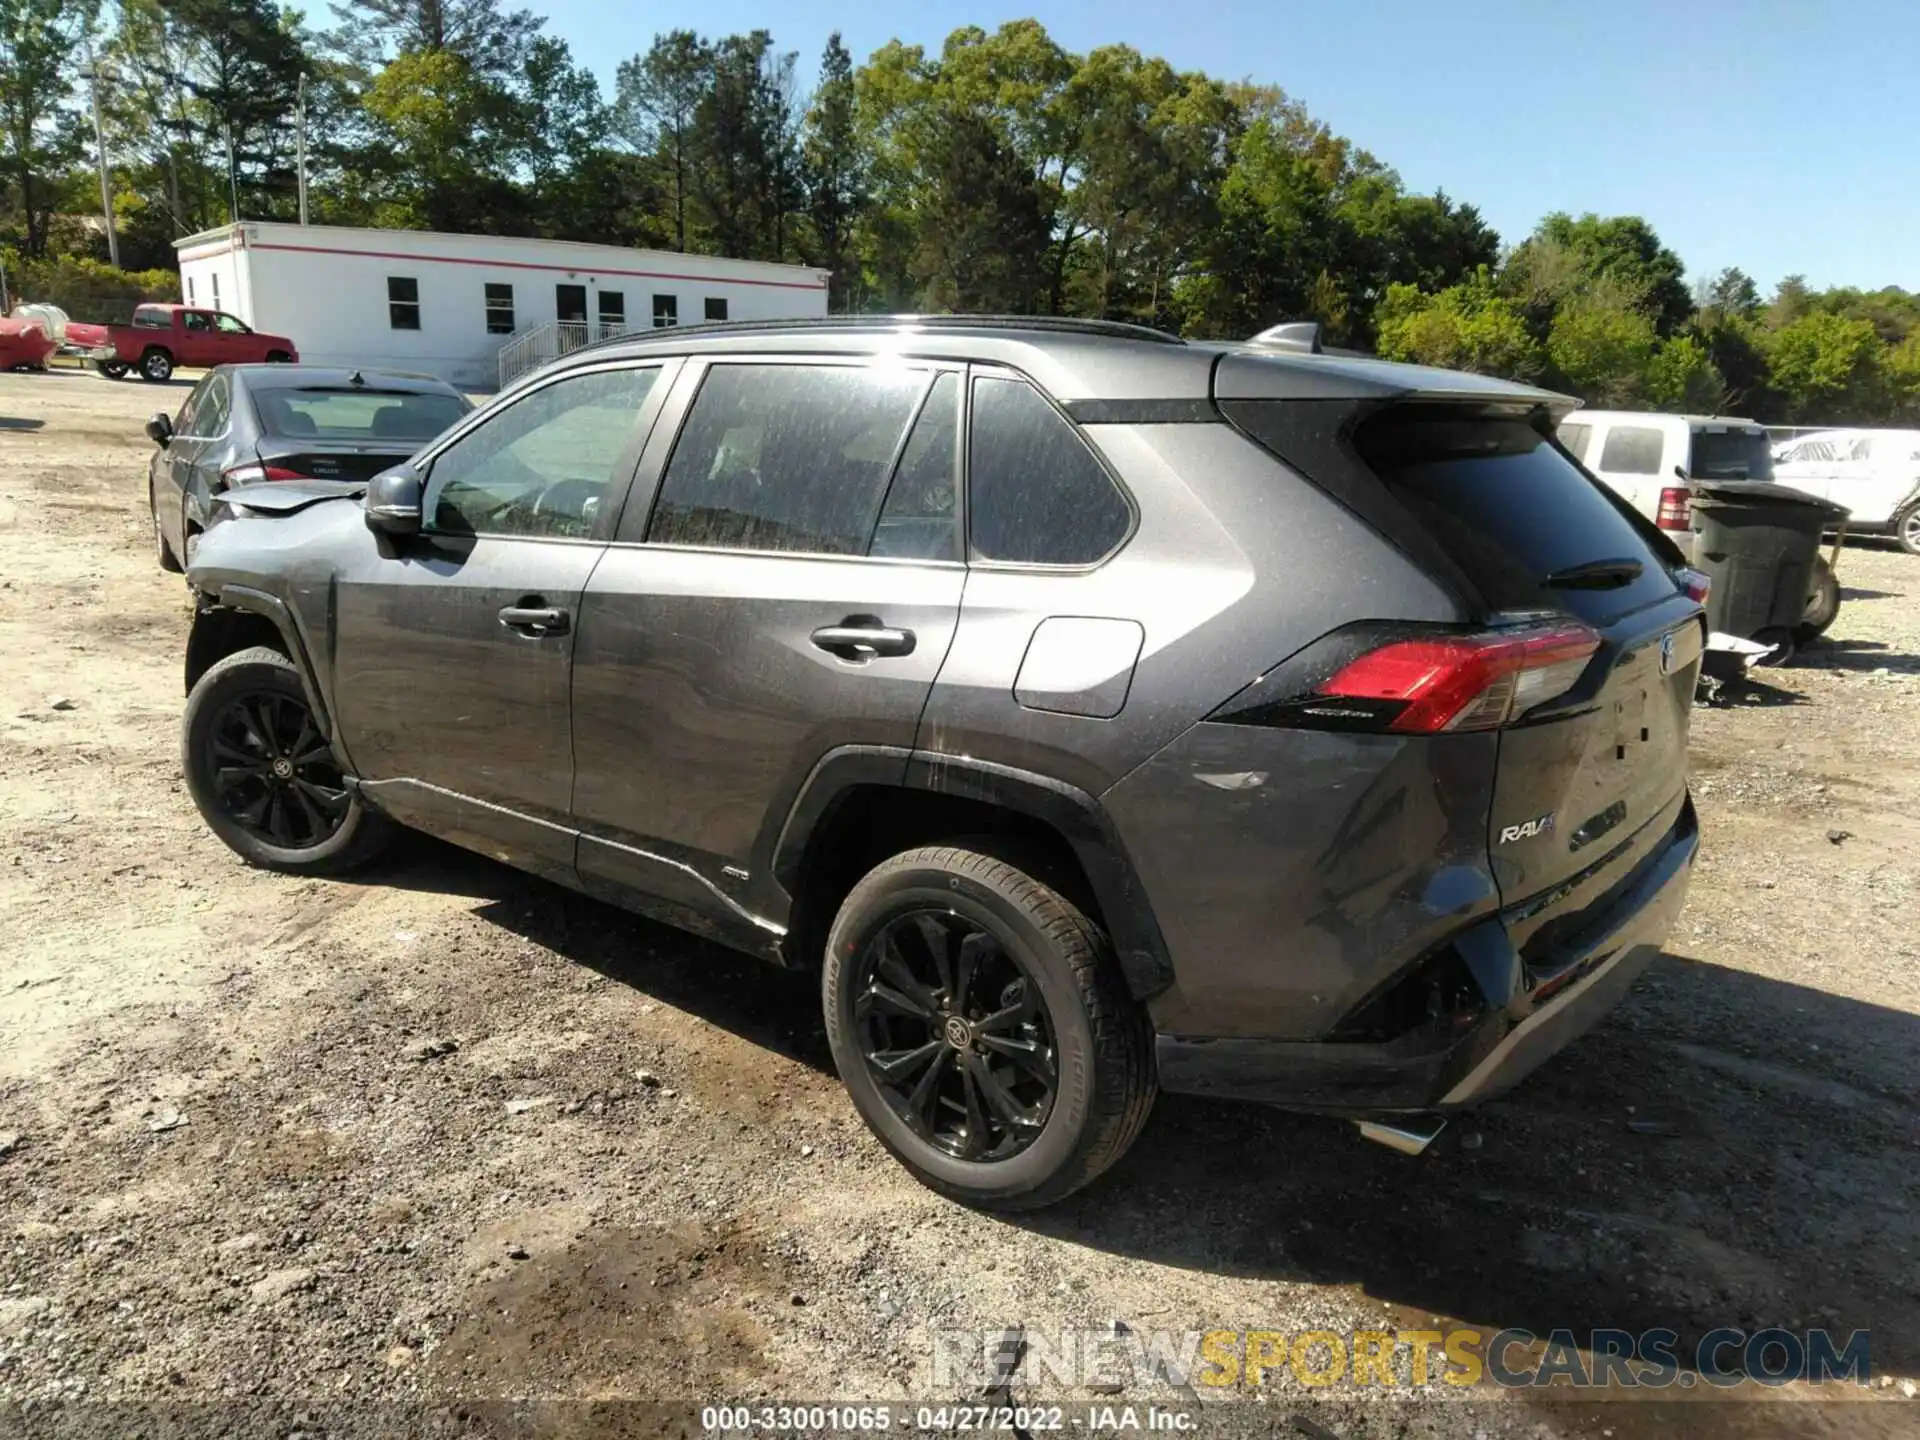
(1099, 713)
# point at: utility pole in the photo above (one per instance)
(106, 179)
(233, 178)
(300, 141)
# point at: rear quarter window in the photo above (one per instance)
(1631, 450)
(1035, 493)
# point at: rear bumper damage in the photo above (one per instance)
(1508, 1012)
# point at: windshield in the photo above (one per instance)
(357, 415)
(1731, 455)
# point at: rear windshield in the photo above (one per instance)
(1731, 455)
(1510, 510)
(362, 415)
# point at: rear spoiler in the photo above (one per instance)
(1289, 363)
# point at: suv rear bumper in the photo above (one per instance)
(1513, 1035)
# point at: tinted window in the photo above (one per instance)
(1730, 455)
(210, 415)
(1631, 450)
(613, 309)
(403, 302)
(786, 457)
(231, 325)
(716, 307)
(918, 521)
(196, 320)
(1508, 509)
(1035, 493)
(1574, 437)
(666, 311)
(499, 309)
(362, 415)
(540, 466)
(189, 412)
(151, 319)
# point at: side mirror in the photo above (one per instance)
(393, 501)
(160, 429)
(1680, 474)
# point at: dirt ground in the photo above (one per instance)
(384, 1139)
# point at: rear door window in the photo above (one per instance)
(920, 519)
(1631, 450)
(1036, 494)
(1510, 511)
(786, 458)
(1731, 455)
(358, 415)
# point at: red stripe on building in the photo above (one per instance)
(531, 265)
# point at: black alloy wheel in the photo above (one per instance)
(273, 772)
(956, 1035)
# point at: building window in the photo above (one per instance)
(189, 289)
(613, 312)
(666, 311)
(499, 310)
(403, 302)
(216, 289)
(716, 308)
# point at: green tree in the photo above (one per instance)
(239, 64)
(1565, 255)
(1464, 327)
(449, 133)
(39, 42)
(984, 243)
(836, 169)
(657, 98)
(1731, 292)
(1681, 376)
(1828, 369)
(1602, 351)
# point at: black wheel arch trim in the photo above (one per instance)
(1077, 816)
(204, 637)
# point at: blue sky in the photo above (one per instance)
(1782, 138)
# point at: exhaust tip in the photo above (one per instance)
(1409, 1134)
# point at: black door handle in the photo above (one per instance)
(534, 620)
(861, 637)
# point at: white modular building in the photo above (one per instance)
(449, 305)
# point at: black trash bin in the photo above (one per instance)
(1757, 541)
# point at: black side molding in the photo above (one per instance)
(1143, 412)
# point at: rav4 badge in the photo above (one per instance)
(1528, 830)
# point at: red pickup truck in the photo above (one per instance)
(163, 337)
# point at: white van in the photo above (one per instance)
(1874, 473)
(1648, 458)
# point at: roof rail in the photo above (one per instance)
(1300, 335)
(1052, 324)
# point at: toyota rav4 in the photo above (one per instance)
(1097, 713)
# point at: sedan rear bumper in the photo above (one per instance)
(1481, 1054)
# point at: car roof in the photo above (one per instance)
(341, 377)
(1072, 359)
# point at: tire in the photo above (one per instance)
(1823, 603)
(1052, 968)
(112, 369)
(156, 366)
(162, 552)
(245, 709)
(1906, 528)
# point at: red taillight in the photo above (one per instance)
(254, 474)
(1468, 682)
(1696, 585)
(1674, 512)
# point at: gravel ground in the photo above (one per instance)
(445, 1132)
